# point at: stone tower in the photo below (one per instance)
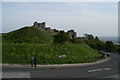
(43, 24)
(72, 34)
(39, 25)
(35, 24)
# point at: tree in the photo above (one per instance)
(61, 38)
(88, 36)
(96, 38)
(109, 46)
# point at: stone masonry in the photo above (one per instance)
(42, 26)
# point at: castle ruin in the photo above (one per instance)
(72, 34)
(42, 26)
(39, 25)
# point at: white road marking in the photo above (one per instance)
(15, 75)
(107, 68)
(95, 70)
(99, 69)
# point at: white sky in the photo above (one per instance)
(97, 18)
(60, 0)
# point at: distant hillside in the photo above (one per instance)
(27, 35)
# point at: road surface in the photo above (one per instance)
(107, 69)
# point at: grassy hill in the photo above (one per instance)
(29, 41)
(48, 53)
(27, 35)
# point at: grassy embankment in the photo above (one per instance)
(48, 54)
(19, 45)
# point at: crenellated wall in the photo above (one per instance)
(42, 26)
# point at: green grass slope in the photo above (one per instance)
(19, 45)
(27, 35)
(48, 53)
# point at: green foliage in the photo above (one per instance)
(77, 41)
(110, 46)
(96, 44)
(19, 45)
(48, 54)
(89, 36)
(27, 35)
(96, 38)
(61, 38)
(99, 45)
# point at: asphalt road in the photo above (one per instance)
(107, 69)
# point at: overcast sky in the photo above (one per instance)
(97, 18)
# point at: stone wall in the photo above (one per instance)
(42, 26)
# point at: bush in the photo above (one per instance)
(61, 38)
(110, 46)
(77, 41)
